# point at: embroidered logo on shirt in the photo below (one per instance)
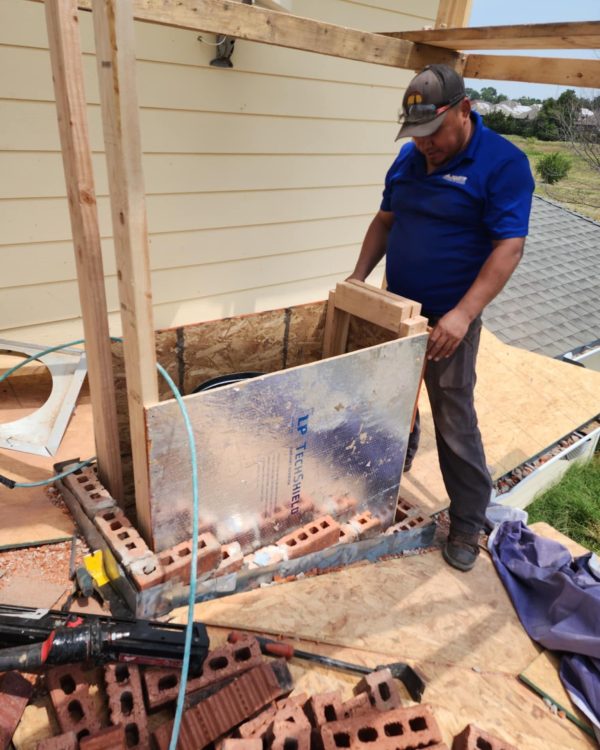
(458, 178)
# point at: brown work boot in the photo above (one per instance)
(461, 550)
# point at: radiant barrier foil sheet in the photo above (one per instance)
(276, 451)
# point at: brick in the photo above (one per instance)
(126, 702)
(241, 744)
(381, 688)
(119, 532)
(15, 692)
(317, 535)
(291, 700)
(110, 738)
(474, 738)
(176, 561)
(404, 509)
(270, 555)
(348, 534)
(324, 707)
(147, 572)
(399, 729)
(162, 685)
(259, 725)
(290, 728)
(232, 559)
(70, 696)
(412, 522)
(366, 524)
(86, 487)
(359, 705)
(230, 706)
(66, 741)
(280, 518)
(345, 507)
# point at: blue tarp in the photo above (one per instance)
(557, 599)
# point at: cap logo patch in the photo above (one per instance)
(414, 98)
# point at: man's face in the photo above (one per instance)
(450, 138)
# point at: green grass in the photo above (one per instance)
(573, 505)
(579, 191)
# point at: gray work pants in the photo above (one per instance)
(450, 385)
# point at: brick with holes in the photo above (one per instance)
(366, 524)
(474, 738)
(399, 729)
(119, 532)
(222, 663)
(70, 695)
(66, 741)
(110, 738)
(126, 702)
(237, 701)
(86, 487)
(317, 535)
(359, 705)
(381, 689)
(232, 559)
(290, 729)
(15, 692)
(238, 743)
(176, 561)
(324, 707)
(258, 726)
(412, 522)
(146, 572)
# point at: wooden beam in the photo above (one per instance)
(115, 56)
(563, 71)
(372, 304)
(67, 74)
(286, 30)
(570, 35)
(453, 13)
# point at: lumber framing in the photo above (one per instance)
(564, 71)
(453, 13)
(67, 74)
(115, 53)
(568, 35)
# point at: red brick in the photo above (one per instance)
(86, 487)
(259, 725)
(290, 701)
(474, 738)
(162, 685)
(15, 692)
(366, 524)
(359, 705)
(67, 741)
(324, 707)
(70, 696)
(411, 522)
(147, 572)
(241, 744)
(400, 729)
(317, 535)
(290, 728)
(126, 702)
(348, 534)
(345, 507)
(230, 706)
(404, 509)
(232, 559)
(381, 689)
(176, 561)
(118, 531)
(111, 738)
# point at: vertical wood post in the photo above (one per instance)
(453, 13)
(115, 56)
(67, 73)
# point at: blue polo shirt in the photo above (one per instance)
(445, 222)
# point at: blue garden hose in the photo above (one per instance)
(195, 517)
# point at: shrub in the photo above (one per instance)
(553, 167)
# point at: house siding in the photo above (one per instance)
(260, 180)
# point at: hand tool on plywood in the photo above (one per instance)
(408, 676)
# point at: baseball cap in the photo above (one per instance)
(429, 96)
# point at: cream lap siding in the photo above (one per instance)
(260, 180)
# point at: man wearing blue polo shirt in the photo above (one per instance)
(452, 225)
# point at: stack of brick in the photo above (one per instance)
(408, 516)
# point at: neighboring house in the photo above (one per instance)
(551, 303)
(509, 107)
(261, 180)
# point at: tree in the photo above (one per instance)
(546, 123)
(553, 167)
(489, 94)
(582, 134)
(501, 98)
(473, 94)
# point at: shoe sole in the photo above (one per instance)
(464, 567)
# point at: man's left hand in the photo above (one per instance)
(447, 334)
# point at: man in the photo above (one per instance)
(452, 224)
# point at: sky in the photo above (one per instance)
(500, 12)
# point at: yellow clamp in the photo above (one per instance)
(94, 564)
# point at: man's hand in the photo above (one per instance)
(447, 335)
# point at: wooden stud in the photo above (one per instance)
(413, 326)
(453, 13)
(413, 306)
(115, 56)
(566, 72)
(337, 326)
(67, 74)
(570, 35)
(372, 304)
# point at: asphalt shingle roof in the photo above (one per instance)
(551, 304)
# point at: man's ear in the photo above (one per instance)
(465, 107)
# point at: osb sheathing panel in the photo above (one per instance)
(525, 402)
